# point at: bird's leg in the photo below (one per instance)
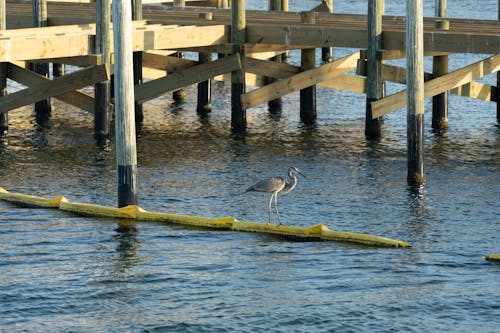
(276, 207)
(270, 207)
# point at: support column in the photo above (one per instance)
(285, 7)
(179, 95)
(415, 90)
(222, 4)
(327, 52)
(275, 105)
(498, 78)
(439, 68)
(137, 59)
(102, 90)
(126, 154)
(204, 105)
(4, 118)
(57, 70)
(43, 108)
(375, 86)
(238, 37)
(308, 61)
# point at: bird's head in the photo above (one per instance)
(293, 169)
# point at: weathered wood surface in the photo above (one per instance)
(48, 88)
(29, 78)
(439, 85)
(74, 40)
(342, 30)
(299, 81)
(155, 88)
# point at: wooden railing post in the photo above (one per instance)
(415, 91)
(126, 154)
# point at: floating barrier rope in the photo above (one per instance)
(317, 232)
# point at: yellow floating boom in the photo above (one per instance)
(317, 232)
(493, 256)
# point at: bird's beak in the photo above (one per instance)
(300, 173)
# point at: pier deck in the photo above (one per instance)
(164, 32)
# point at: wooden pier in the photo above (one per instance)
(249, 41)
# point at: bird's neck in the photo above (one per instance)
(290, 184)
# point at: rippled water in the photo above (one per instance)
(64, 273)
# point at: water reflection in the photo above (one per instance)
(127, 246)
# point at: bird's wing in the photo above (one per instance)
(268, 185)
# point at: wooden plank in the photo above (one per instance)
(190, 36)
(347, 82)
(42, 48)
(300, 81)
(29, 78)
(155, 88)
(401, 54)
(166, 63)
(476, 90)
(79, 61)
(310, 36)
(439, 85)
(49, 88)
(272, 69)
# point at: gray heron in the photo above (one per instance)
(276, 185)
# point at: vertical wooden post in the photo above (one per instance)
(439, 68)
(415, 89)
(4, 118)
(137, 59)
(327, 52)
(102, 90)
(308, 61)
(204, 105)
(43, 108)
(285, 7)
(179, 95)
(275, 105)
(238, 37)
(57, 69)
(498, 78)
(375, 87)
(126, 154)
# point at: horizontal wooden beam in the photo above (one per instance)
(346, 82)
(79, 61)
(300, 81)
(166, 62)
(482, 91)
(49, 88)
(189, 36)
(272, 69)
(192, 75)
(439, 85)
